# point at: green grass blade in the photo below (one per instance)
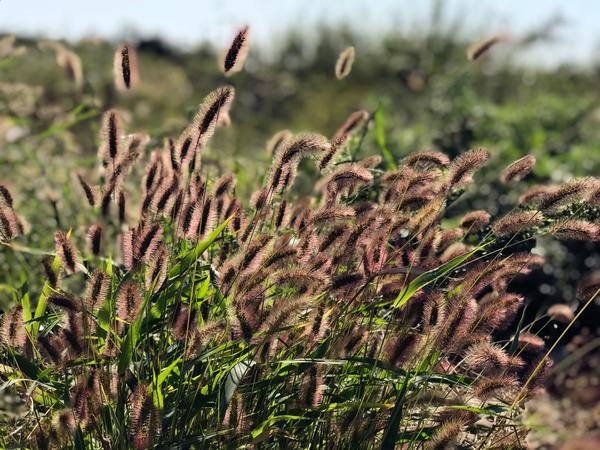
(380, 139)
(432, 275)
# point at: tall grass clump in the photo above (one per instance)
(355, 317)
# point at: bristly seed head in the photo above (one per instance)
(5, 196)
(566, 193)
(94, 239)
(275, 142)
(518, 170)
(235, 56)
(517, 222)
(479, 49)
(576, 230)
(475, 220)
(125, 67)
(427, 159)
(111, 133)
(343, 65)
(90, 193)
(129, 300)
(66, 252)
(216, 104)
(463, 167)
(97, 289)
(12, 329)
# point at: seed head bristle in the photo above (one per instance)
(157, 269)
(529, 343)
(208, 217)
(224, 185)
(427, 215)
(593, 196)
(576, 230)
(129, 300)
(202, 335)
(499, 386)
(122, 206)
(300, 146)
(346, 282)
(434, 311)
(91, 194)
(275, 142)
(282, 214)
(475, 220)
(51, 275)
(170, 144)
(128, 248)
(281, 315)
(351, 341)
(214, 105)
(463, 167)
(74, 335)
(12, 329)
(153, 171)
(462, 313)
(5, 196)
(112, 132)
(125, 67)
(518, 169)
(370, 162)
(197, 188)
(97, 289)
(301, 279)
(66, 59)
(185, 147)
(426, 159)
(449, 237)
(343, 135)
(399, 350)
(476, 51)
(148, 241)
(318, 324)
(486, 359)
(350, 126)
(10, 223)
(255, 253)
(446, 436)
(517, 222)
(235, 56)
(166, 193)
(566, 193)
(65, 422)
(94, 238)
(189, 221)
(589, 286)
(51, 347)
(259, 199)
(312, 386)
(343, 65)
(184, 322)
(144, 418)
(454, 250)
(561, 313)
(500, 312)
(329, 215)
(65, 303)
(346, 177)
(65, 250)
(534, 194)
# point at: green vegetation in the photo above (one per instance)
(352, 291)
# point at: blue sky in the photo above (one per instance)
(189, 22)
